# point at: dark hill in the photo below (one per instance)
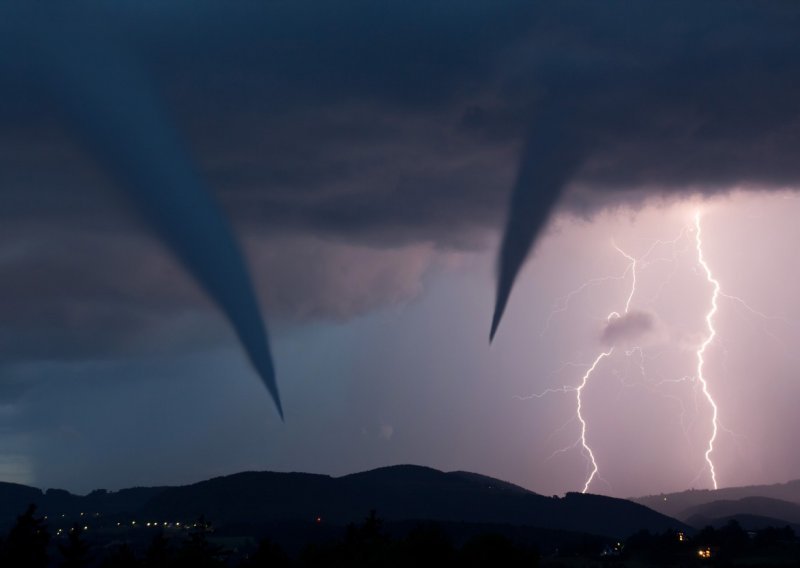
(750, 512)
(15, 498)
(675, 504)
(746, 521)
(398, 494)
(491, 481)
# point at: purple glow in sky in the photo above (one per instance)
(691, 349)
(412, 380)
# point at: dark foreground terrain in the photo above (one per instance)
(392, 516)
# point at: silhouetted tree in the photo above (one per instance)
(197, 551)
(158, 554)
(121, 557)
(268, 554)
(664, 548)
(371, 530)
(26, 544)
(364, 545)
(75, 552)
(773, 538)
(733, 540)
(495, 550)
(367, 544)
(707, 536)
(430, 545)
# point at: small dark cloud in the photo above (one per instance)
(628, 327)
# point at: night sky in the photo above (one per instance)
(384, 184)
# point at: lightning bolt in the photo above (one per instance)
(698, 379)
(585, 447)
(633, 281)
(562, 304)
(587, 450)
(701, 351)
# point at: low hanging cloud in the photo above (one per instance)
(304, 279)
(628, 328)
(59, 303)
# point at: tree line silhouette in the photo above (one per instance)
(29, 544)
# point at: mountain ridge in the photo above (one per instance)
(674, 504)
(397, 493)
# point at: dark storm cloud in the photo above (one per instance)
(394, 123)
(663, 97)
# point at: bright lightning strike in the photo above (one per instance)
(704, 346)
(698, 378)
(587, 450)
(578, 392)
(633, 283)
(562, 305)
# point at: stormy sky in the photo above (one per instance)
(385, 184)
